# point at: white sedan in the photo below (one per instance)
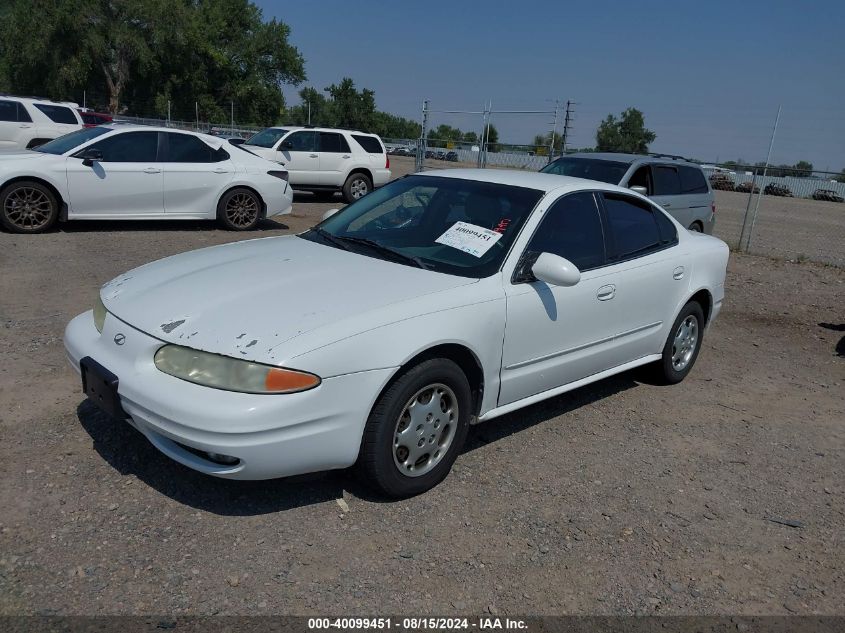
(376, 337)
(132, 172)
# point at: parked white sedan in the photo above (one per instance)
(132, 172)
(376, 337)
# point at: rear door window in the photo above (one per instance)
(692, 180)
(633, 227)
(666, 180)
(370, 144)
(57, 114)
(184, 148)
(8, 110)
(333, 142)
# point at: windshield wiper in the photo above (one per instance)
(386, 250)
(331, 239)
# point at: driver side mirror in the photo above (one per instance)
(88, 156)
(555, 270)
(329, 214)
(639, 189)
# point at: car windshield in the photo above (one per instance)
(608, 171)
(266, 138)
(448, 225)
(69, 141)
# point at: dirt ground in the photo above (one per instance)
(620, 498)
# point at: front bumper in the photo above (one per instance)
(281, 205)
(270, 435)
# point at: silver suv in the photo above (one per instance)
(325, 160)
(676, 184)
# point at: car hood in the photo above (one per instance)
(23, 154)
(248, 298)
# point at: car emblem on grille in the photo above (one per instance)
(119, 339)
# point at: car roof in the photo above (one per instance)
(621, 157)
(529, 179)
(125, 127)
(315, 128)
(70, 104)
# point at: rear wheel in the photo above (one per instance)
(239, 209)
(416, 429)
(28, 207)
(696, 227)
(356, 187)
(683, 344)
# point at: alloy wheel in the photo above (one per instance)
(358, 188)
(28, 208)
(242, 209)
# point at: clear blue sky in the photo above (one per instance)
(709, 76)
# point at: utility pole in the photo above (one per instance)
(309, 111)
(197, 113)
(567, 125)
(420, 158)
(232, 119)
(168, 114)
(554, 133)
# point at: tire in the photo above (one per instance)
(239, 209)
(679, 353)
(356, 187)
(696, 227)
(27, 206)
(408, 410)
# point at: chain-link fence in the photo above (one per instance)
(784, 213)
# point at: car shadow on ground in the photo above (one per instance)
(130, 453)
(97, 226)
(836, 327)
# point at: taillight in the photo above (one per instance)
(713, 208)
(279, 174)
(386, 161)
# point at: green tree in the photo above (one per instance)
(803, 169)
(492, 138)
(626, 134)
(841, 176)
(542, 141)
(136, 56)
(352, 109)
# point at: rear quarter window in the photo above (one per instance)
(57, 114)
(692, 180)
(370, 144)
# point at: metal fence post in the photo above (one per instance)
(760, 195)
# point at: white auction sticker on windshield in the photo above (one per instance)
(469, 238)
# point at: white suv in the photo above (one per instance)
(28, 122)
(325, 160)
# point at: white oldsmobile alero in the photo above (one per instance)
(376, 337)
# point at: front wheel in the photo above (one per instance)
(416, 429)
(682, 345)
(356, 187)
(28, 207)
(239, 209)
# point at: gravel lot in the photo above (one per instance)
(622, 497)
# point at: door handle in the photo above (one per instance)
(666, 205)
(152, 170)
(347, 156)
(678, 273)
(221, 171)
(312, 155)
(606, 293)
(26, 127)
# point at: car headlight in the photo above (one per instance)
(230, 374)
(99, 314)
